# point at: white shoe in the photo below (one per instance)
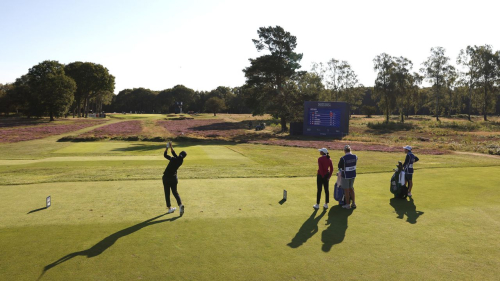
(181, 209)
(325, 206)
(171, 210)
(346, 206)
(316, 206)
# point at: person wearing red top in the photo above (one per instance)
(325, 170)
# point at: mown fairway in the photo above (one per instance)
(108, 218)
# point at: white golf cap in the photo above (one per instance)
(324, 150)
(407, 147)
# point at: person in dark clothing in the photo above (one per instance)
(325, 170)
(408, 167)
(170, 177)
(347, 167)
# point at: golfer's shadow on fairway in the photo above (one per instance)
(307, 230)
(107, 242)
(404, 207)
(337, 227)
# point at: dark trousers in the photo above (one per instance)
(170, 183)
(322, 181)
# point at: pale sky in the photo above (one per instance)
(206, 44)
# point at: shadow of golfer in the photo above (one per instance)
(307, 230)
(404, 207)
(107, 242)
(337, 227)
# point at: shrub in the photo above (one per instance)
(368, 110)
(391, 126)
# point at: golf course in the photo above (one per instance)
(108, 219)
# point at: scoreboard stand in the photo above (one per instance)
(326, 119)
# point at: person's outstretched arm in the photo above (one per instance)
(416, 159)
(172, 149)
(165, 154)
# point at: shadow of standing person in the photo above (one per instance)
(404, 207)
(307, 230)
(337, 227)
(107, 242)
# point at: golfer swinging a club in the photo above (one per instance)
(170, 177)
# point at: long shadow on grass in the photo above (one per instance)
(36, 210)
(404, 207)
(337, 227)
(307, 230)
(107, 242)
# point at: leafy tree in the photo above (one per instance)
(438, 71)
(452, 97)
(52, 89)
(185, 95)
(349, 88)
(267, 75)
(403, 83)
(102, 98)
(123, 101)
(413, 97)
(215, 104)
(57, 93)
(468, 77)
(308, 87)
(164, 101)
(330, 76)
(21, 98)
(385, 83)
(138, 99)
(81, 72)
(5, 101)
(223, 93)
(90, 79)
(237, 103)
(487, 73)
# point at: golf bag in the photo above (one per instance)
(338, 194)
(398, 185)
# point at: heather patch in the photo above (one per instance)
(23, 122)
(214, 128)
(42, 130)
(125, 130)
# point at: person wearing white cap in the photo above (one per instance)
(347, 167)
(408, 167)
(325, 171)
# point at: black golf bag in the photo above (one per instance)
(397, 188)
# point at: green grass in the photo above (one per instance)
(236, 229)
(112, 161)
(108, 220)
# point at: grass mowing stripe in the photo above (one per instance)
(203, 161)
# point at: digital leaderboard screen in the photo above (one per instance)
(326, 119)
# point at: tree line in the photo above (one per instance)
(221, 99)
(53, 89)
(275, 85)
